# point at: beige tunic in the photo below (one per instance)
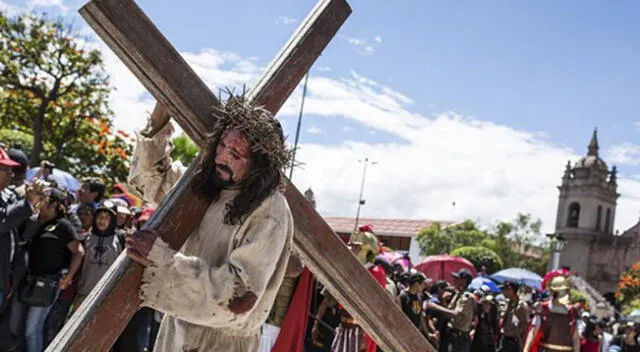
(217, 263)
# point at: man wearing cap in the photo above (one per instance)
(13, 213)
(18, 185)
(554, 324)
(515, 320)
(461, 312)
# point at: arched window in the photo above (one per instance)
(574, 215)
(599, 218)
(607, 221)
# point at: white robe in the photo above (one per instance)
(218, 262)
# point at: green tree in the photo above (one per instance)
(521, 234)
(56, 91)
(437, 239)
(480, 257)
(14, 138)
(184, 149)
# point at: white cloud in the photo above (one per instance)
(286, 20)
(361, 45)
(378, 39)
(356, 41)
(314, 130)
(624, 154)
(8, 9)
(490, 171)
(48, 3)
(324, 69)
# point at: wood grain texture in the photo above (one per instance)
(155, 62)
(141, 46)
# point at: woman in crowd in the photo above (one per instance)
(103, 245)
(486, 329)
(626, 339)
(590, 339)
(54, 259)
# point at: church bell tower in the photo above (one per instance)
(586, 205)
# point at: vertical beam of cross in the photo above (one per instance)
(139, 44)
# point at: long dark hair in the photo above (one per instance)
(260, 182)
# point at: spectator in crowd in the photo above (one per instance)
(515, 320)
(410, 302)
(485, 332)
(145, 214)
(606, 336)
(13, 213)
(436, 321)
(124, 219)
(85, 214)
(460, 311)
(91, 192)
(18, 184)
(102, 247)
(590, 338)
(55, 256)
(627, 339)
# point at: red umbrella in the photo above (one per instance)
(440, 267)
(550, 275)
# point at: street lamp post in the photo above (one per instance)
(557, 245)
(361, 201)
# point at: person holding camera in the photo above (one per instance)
(13, 213)
(55, 255)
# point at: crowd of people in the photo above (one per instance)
(55, 246)
(455, 318)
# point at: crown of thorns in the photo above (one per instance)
(263, 131)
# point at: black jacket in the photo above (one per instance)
(13, 213)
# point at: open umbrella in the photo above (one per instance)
(440, 267)
(62, 178)
(634, 316)
(479, 281)
(521, 276)
(396, 258)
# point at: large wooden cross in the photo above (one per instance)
(166, 75)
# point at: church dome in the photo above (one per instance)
(592, 159)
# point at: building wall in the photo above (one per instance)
(576, 254)
(610, 257)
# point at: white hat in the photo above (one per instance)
(124, 210)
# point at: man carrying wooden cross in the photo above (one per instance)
(218, 289)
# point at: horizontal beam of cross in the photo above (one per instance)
(140, 45)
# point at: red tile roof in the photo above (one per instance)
(387, 227)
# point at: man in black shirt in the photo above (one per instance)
(410, 302)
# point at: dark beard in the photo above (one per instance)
(219, 183)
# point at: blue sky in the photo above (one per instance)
(492, 97)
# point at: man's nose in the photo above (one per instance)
(223, 157)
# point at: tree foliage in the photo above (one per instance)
(56, 90)
(506, 239)
(479, 257)
(13, 138)
(438, 239)
(184, 149)
(628, 294)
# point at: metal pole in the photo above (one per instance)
(295, 144)
(556, 260)
(364, 175)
